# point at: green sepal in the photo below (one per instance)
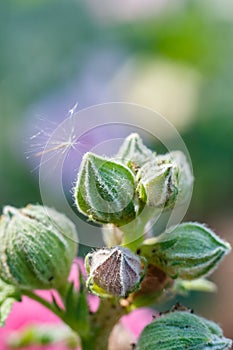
(8, 295)
(188, 251)
(105, 190)
(180, 331)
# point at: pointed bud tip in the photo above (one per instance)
(114, 272)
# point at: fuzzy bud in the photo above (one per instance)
(134, 153)
(165, 180)
(114, 272)
(37, 247)
(188, 251)
(182, 330)
(105, 190)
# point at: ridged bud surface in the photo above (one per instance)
(116, 271)
(182, 330)
(37, 247)
(188, 251)
(105, 190)
(164, 180)
(133, 152)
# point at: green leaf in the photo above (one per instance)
(105, 190)
(188, 251)
(8, 295)
(181, 331)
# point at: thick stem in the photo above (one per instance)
(135, 231)
(102, 323)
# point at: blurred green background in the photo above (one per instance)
(176, 58)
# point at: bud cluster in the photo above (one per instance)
(115, 190)
(38, 245)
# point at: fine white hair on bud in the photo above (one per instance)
(133, 152)
(105, 190)
(165, 180)
(188, 251)
(182, 330)
(114, 272)
(38, 245)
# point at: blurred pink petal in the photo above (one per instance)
(137, 320)
(30, 312)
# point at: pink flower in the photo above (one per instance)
(29, 312)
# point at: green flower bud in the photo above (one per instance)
(180, 331)
(37, 247)
(105, 190)
(134, 153)
(188, 251)
(114, 272)
(165, 180)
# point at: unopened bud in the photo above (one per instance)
(37, 247)
(105, 190)
(134, 153)
(188, 251)
(114, 272)
(182, 330)
(165, 180)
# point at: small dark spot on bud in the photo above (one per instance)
(153, 251)
(133, 345)
(138, 251)
(50, 278)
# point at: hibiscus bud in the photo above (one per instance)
(188, 251)
(164, 180)
(133, 152)
(114, 272)
(105, 190)
(182, 330)
(37, 247)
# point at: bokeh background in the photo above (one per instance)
(175, 57)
